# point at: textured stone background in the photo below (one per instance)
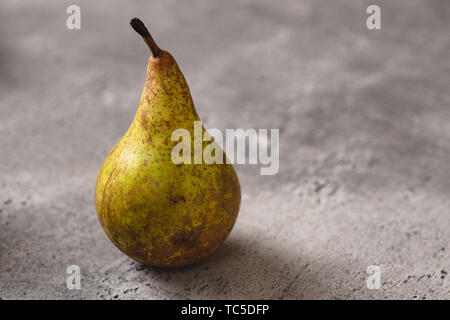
(364, 120)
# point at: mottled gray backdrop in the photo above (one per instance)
(364, 119)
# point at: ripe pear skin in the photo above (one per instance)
(155, 211)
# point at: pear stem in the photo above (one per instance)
(140, 28)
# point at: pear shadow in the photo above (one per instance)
(242, 269)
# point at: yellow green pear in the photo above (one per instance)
(156, 211)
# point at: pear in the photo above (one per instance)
(158, 212)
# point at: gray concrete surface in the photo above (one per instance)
(364, 120)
